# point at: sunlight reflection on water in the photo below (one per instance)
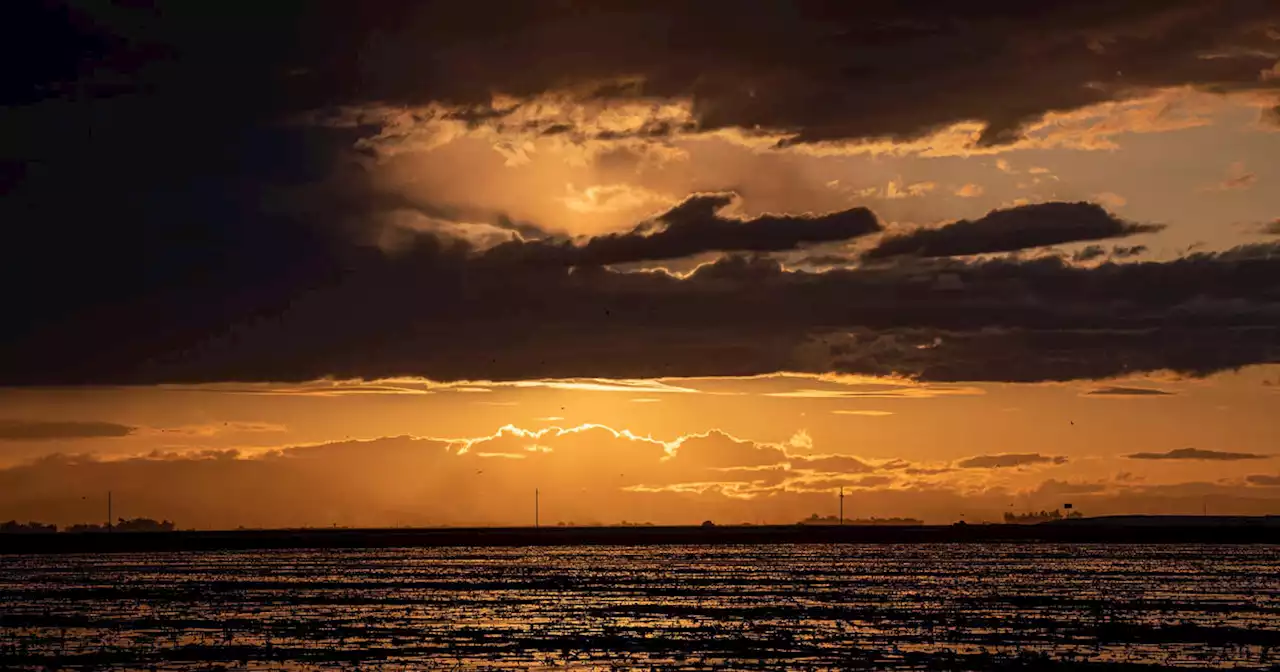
(746, 607)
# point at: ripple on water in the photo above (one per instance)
(749, 607)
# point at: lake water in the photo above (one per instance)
(695, 608)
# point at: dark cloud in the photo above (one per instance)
(1263, 479)
(1115, 391)
(1089, 253)
(695, 227)
(818, 69)
(38, 430)
(1198, 454)
(1007, 460)
(170, 219)
(1125, 252)
(1012, 229)
(1272, 228)
(1092, 252)
(819, 260)
(441, 311)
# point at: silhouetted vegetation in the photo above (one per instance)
(14, 527)
(123, 525)
(815, 519)
(1038, 517)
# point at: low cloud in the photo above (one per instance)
(1012, 229)
(969, 191)
(1007, 460)
(1238, 179)
(1263, 479)
(1094, 252)
(1089, 253)
(1117, 391)
(40, 430)
(1198, 454)
(1125, 252)
(544, 311)
(586, 474)
(694, 227)
(1111, 199)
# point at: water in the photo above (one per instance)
(694, 608)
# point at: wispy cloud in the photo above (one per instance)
(44, 430)
(1198, 454)
(1119, 391)
(1008, 460)
(1110, 199)
(411, 386)
(1238, 179)
(921, 392)
(214, 428)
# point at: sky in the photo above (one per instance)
(403, 263)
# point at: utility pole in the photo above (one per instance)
(110, 523)
(535, 508)
(842, 506)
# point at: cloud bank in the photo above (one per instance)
(440, 310)
(586, 474)
(190, 212)
(1013, 229)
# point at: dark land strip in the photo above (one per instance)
(1126, 530)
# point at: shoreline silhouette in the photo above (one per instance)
(1106, 530)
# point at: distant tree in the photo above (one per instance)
(815, 519)
(144, 525)
(14, 527)
(82, 528)
(1035, 517)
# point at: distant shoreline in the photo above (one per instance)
(1119, 530)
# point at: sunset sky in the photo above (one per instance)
(401, 263)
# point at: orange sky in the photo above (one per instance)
(775, 449)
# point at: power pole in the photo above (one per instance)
(535, 508)
(842, 506)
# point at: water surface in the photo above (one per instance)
(691, 608)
